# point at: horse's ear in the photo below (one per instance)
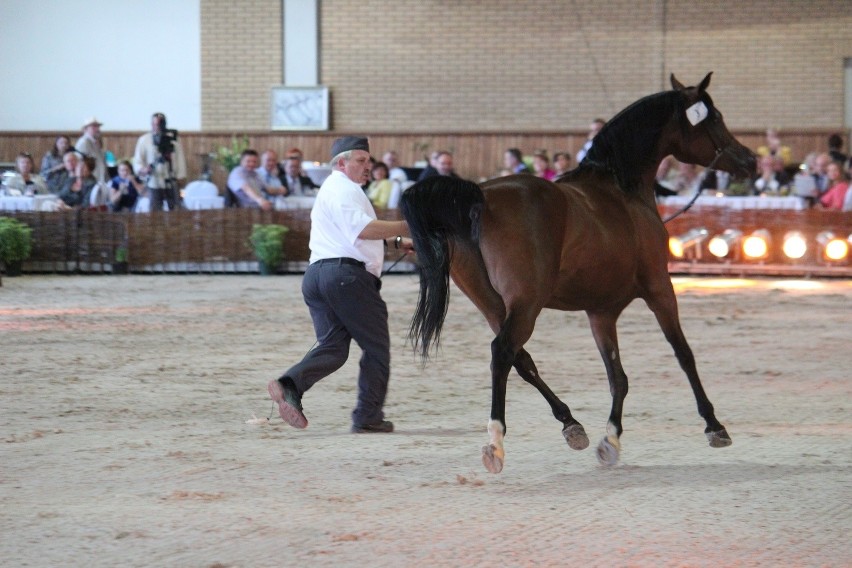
(677, 85)
(705, 83)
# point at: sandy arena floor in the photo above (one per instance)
(124, 400)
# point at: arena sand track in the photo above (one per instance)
(124, 401)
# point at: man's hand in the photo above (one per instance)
(406, 245)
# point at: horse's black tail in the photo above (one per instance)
(438, 209)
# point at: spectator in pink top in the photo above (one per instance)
(541, 165)
(838, 185)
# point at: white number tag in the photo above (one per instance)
(696, 113)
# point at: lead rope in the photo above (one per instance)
(391, 267)
(697, 190)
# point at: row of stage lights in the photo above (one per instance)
(732, 244)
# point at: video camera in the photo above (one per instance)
(165, 138)
(165, 141)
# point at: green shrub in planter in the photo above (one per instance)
(16, 243)
(267, 242)
(120, 264)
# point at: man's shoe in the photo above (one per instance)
(289, 403)
(385, 426)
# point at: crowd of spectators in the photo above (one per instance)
(84, 175)
(821, 180)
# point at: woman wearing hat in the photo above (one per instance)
(341, 288)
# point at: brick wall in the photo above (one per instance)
(509, 65)
(240, 62)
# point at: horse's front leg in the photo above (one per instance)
(665, 310)
(572, 431)
(606, 339)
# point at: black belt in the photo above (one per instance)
(342, 260)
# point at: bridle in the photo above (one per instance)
(720, 150)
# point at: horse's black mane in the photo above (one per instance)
(626, 144)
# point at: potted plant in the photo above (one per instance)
(16, 242)
(229, 156)
(120, 265)
(267, 242)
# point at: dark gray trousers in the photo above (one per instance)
(168, 194)
(345, 304)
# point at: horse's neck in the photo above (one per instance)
(646, 192)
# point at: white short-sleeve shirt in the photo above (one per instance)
(340, 213)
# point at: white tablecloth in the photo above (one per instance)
(197, 203)
(315, 172)
(294, 202)
(746, 202)
(143, 205)
(36, 203)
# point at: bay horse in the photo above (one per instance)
(593, 240)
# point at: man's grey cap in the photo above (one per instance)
(347, 143)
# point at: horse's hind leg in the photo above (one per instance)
(501, 363)
(665, 311)
(606, 338)
(515, 331)
(572, 430)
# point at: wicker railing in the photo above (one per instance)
(181, 241)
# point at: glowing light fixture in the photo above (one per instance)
(833, 248)
(722, 245)
(692, 238)
(756, 245)
(795, 246)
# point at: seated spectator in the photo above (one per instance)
(835, 149)
(293, 154)
(561, 163)
(69, 162)
(804, 183)
(245, 183)
(125, 189)
(541, 165)
(296, 182)
(381, 187)
(847, 202)
(513, 160)
(271, 175)
(835, 196)
(395, 172)
(442, 165)
(594, 128)
(773, 147)
(820, 172)
(52, 167)
(77, 191)
(24, 180)
(769, 180)
(430, 169)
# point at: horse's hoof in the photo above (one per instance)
(492, 458)
(576, 436)
(719, 439)
(608, 451)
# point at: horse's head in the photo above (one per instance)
(705, 139)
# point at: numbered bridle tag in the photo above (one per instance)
(696, 113)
